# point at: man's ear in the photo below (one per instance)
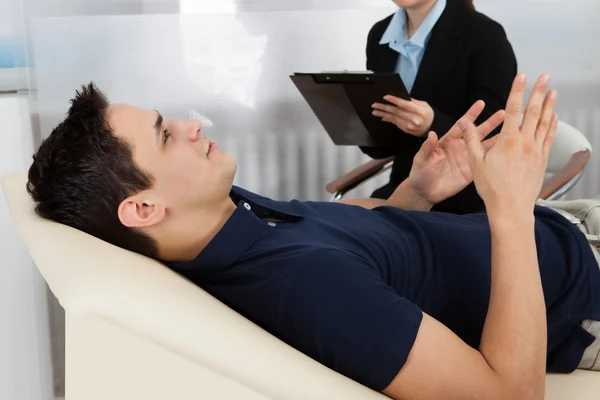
(140, 212)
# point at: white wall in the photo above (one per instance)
(230, 60)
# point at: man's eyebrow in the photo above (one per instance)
(158, 124)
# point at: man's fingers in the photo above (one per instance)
(489, 143)
(471, 115)
(472, 140)
(490, 124)
(549, 138)
(429, 145)
(514, 105)
(533, 112)
(543, 126)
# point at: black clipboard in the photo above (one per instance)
(342, 101)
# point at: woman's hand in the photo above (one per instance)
(413, 117)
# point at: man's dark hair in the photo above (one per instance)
(82, 172)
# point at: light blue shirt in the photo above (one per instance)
(411, 49)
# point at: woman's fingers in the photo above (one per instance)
(409, 126)
(381, 110)
(409, 106)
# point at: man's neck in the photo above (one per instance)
(194, 232)
(416, 15)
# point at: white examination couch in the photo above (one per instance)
(136, 330)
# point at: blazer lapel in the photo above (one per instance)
(389, 58)
(442, 51)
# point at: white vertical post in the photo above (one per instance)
(25, 360)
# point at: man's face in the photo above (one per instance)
(189, 170)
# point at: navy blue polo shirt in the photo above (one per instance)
(347, 286)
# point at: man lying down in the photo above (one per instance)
(416, 304)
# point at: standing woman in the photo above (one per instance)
(449, 56)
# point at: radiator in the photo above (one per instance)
(294, 166)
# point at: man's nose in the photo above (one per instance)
(194, 130)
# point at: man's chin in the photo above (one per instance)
(229, 173)
(233, 167)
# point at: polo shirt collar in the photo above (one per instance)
(239, 233)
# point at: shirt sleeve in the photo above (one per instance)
(338, 310)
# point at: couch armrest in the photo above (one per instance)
(567, 174)
(358, 175)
